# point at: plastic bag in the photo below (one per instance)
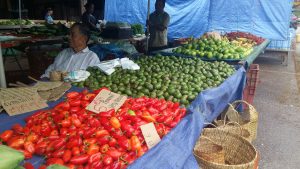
(9, 158)
(77, 76)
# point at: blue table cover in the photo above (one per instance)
(176, 149)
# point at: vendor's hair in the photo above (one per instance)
(87, 5)
(163, 1)
(49, 9)
(83, 29)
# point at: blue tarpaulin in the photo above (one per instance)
(188, 18)
(266, 18)
(175, 149)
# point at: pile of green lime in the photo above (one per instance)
(173, 78)
(210, 48)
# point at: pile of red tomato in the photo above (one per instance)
(72, 136)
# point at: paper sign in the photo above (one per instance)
(106, 100)
(21, 100)
(150, 134)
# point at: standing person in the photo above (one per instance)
(48, 16)
(88, 18)
(158, 27)
(78, 56)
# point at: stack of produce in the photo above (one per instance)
(12, 22)
(72, 136)
(210, 48)
(173, 78)
(250, 37)
(137, 29)
(47, 30)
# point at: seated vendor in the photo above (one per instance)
(78, 56)
(89, 19)
(48, 16)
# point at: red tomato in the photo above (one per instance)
(75, 103)
(67, 156)
(93, 149)
(72, 95)
(28, 165)
(79, 160)
(107, 160)
(101, 133)
(29, 146)
(104, 148)
(6, 135)
(66, 123)
(16, 142)
(17, 128)
(42, 167)
(75, 151)
(51, 161)
(115, 154)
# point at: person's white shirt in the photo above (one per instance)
(67, 60)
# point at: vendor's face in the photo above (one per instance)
(91, 8)
(76, 39)
(159, 6)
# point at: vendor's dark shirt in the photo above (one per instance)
(89, 19)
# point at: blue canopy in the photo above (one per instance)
(267, 18)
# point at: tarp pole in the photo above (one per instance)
(147, 36)
(20, 15)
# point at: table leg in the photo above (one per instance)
(2, 70)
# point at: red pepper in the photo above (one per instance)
(95, 157)
(135, 143)
(40, 148)
(89, 141)
(115, 154)
(101, 133)
(17, 128)
(96, 165)
(63, 106)
(109, 113)
(75, 151)
(75, 121)
(42, 167)
(124, 143)
(115, 122)
(84, 104)
(103, 140)
(6, 135)
(79, 160)
(58, 153)
(88, 97)
(112, 142)
(67, 156)
(149, 118)
(16, 142)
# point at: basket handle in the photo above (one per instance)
(245, 102)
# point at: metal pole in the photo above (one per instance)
(20, 14)
(147, 36)
(2, 70)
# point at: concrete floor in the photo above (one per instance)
(277, 100)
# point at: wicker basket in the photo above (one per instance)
(247, 119)
(239, 153)
(206, 149)
(234, 128)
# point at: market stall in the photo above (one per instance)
(176, 148)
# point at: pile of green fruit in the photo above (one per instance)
(58, 29)
(17, 22)
(174, 78)
(137, 29)
(210, 48)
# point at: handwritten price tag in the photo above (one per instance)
(106, 100)
(150, 134)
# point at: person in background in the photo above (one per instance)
(89, 19)
(158, 27)
(48, 16)
(78, 56)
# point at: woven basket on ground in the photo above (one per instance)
(234, 128)
(239, 153)
(207, 150)
(248, 119)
